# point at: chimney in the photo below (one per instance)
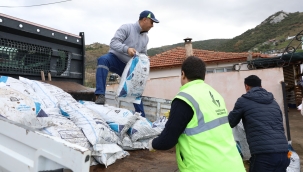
(188, 47)
(249, 57)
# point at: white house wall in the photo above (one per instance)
(176, 71)
(163, 73)
(220, 65)
(229, 84)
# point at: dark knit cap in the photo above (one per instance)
(253, 81)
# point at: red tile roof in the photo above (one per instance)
(176, 56)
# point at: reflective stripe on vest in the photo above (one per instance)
(202, 126)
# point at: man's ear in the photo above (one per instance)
(182, 74)
(247, 88)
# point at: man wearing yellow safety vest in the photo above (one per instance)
(198, 126)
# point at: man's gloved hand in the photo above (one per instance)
(131, 52)
(150, 145)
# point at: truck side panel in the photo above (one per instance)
(24, 149)
(153, 107)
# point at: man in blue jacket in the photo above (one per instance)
(263, 124)
(128, 39)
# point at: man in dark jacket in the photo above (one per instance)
(263, 124)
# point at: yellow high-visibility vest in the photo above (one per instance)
(207, 143)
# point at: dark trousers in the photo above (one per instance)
(269, 162)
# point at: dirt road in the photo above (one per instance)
(142, 161)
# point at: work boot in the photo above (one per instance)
(100, 99)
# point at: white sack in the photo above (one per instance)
(21, 87)
(119, 119)
(160, 122)
(107, 154)
(20, 108)
(68, 131)
(65, 129)
(294, 165)
(45, 95)
(133, 79)
(240, 138)
(128, 144)
(49, 94)
(143, 129)
(93, 126)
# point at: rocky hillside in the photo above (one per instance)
(92, 52)
(271, 34)
(211, 44)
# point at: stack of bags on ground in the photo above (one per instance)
(106, 130)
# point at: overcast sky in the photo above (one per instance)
(197, 19)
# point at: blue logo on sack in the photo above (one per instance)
(81, 101)
(64, 113)
(3, 79)
(123, 92)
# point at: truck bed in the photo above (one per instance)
(142, 160)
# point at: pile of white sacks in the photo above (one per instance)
(107, 131)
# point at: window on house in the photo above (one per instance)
(228, 69)
(210, 71)
(219, 70)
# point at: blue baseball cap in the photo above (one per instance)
(148, 14)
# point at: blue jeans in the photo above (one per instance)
(110, 62)
(269, 162)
